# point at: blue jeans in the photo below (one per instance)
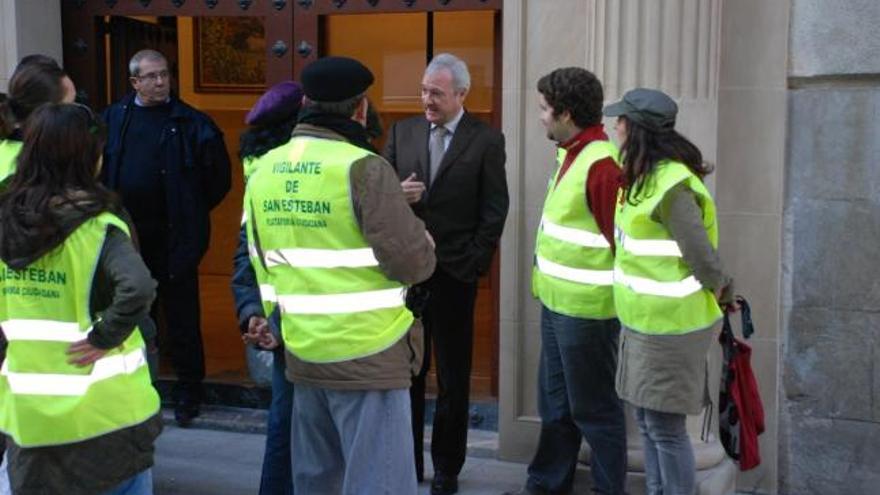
(352, 442)
(277, 478)
(139, 484)
(669, 458)
(577, 399)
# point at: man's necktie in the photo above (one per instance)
(436, 149)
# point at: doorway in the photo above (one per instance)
(395, 39)
(181, 39)
(396, 47)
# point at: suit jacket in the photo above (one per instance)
(465, 207)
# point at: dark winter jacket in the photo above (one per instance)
(196, 171)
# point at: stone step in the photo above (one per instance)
(483, 411)
(481, 443)
(716, 473)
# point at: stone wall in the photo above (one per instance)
(8, 43)
(672, 45)
(725, 62)
(830, 377)
(27, 27)
(749, 192)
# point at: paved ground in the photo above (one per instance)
(207, 462)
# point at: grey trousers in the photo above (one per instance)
(352, 442)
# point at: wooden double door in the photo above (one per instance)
(394, 38)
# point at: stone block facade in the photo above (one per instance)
(829, 376)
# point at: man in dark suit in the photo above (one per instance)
(452, 170)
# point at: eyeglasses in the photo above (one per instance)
(152, 77)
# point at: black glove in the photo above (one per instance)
(416, 299)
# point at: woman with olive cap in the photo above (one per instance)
(669, 285)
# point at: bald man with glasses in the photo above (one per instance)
(169, 164)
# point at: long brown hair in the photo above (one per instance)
(33, 84)
(56, 168)
(645, 148)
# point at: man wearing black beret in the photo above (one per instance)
(334, 246)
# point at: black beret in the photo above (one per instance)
(335, 79)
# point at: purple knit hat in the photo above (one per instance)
(278, 104)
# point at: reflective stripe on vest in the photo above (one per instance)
(335, 302)
(573, 272)
(9, 151)
(342, 303)
(267, 293)
(655, 292)
(641, 247)
(574, 236)
(43, 309)
(641, 285)
(321, 258)
(579, 275)
(49, 330)
(73, 385)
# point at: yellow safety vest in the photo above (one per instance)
(573, 272)
(655, 291)
(335, 302)
(44, 308)
(9, 150)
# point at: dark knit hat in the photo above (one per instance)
(649, 107)
(335, 79)
(278, 104)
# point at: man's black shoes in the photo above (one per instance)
(188, 396)
(444, 484)
(185, 412)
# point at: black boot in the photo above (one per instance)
(188, 398)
